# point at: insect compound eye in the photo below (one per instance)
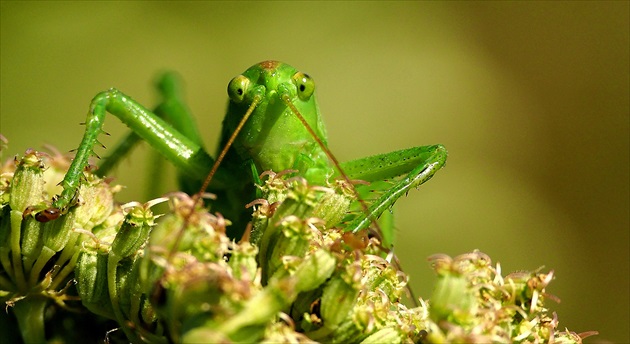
(238, 87)
(304, 84)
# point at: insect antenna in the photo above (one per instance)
(197, 197)
(287, 100)
(229, 143)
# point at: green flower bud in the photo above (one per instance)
(378, 274)
(332, 207)
(91, 275)
(453, 300)
(291, 237)
(5, 187)
(201, 293)
(27, 186)
(339, 297)
(134, 231)
(274, 187)
(243, 261)
(299, 203)
(57, 233)
(249, 324)
(127, 285)
(97, 202)
(314, 270)
(32, 239)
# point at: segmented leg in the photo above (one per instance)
(183, 152)
(415, 165)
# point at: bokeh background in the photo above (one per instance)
(530, 98)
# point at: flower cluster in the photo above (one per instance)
(472, 302)
(39, 247)
(296, 276)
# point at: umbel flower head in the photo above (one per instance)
(39, 247)
(472, 302)
(297, 277)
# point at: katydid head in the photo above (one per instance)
(273, 120)
(278, 101)
(272, 79)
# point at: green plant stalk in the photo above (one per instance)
(16, 222)
(67, 270)
(112, 265)
(45, 255)
(30, 316)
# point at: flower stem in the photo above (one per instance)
(16, 222)
(30, 316)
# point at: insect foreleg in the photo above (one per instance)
(172, 109)
(183, 152)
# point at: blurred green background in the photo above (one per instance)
(531, 99)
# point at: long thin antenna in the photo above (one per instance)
(287, 100)
(229, 143)
(196, 197)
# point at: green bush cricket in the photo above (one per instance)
(272, 123)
